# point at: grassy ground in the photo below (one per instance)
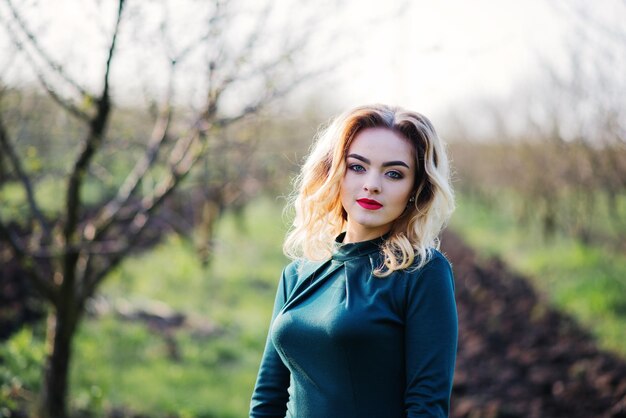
(124, 364)
(586, 281)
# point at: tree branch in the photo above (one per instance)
(215, 91)
(92, 143)
(236, 75)
(65, 103)
(77, 177)
(29, 264)
(120, 9)
(5, 145)
(269, 96)
(111, 210)
(183, 158)
(256, 33)
(54, 66)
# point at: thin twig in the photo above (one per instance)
(54, 66)
(65, 103)
(6, 146)
(270, 96)
(234, 74)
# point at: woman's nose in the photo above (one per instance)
(372, 185)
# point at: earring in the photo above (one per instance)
(412, 199)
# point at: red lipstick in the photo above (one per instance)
(369, 204)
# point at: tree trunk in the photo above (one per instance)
(211, 212)
(61, 328)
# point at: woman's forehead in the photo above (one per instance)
(381, 144)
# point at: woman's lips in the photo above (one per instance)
(369, 204)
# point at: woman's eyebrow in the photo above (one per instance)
(390, 163)
(360, 158)
(385, 164)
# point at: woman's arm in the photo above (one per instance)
(270, 396)
(431, 340)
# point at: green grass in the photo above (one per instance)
(123, 364)
(49, 192)
(21, 358)
(588, 282)
(129, 365)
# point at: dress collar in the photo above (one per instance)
(344, 252)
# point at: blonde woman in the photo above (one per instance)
(365, 322)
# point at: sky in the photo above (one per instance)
(444, 52)
(425, 55)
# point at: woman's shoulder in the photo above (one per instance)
(431, 280)
(298, 268)
(291, 269)
(436, 265)
(437, 259)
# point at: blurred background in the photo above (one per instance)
(147, 149)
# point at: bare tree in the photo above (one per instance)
(557, 150)
(68, 255)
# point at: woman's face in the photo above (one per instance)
(380, 170)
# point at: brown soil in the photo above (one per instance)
(519, 358)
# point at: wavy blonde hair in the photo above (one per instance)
(319, 215)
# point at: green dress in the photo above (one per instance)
(344, 343)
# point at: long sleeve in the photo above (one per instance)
(270, 396)
(431, 335)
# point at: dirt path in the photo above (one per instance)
(520, 359)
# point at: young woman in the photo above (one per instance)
(365, 322)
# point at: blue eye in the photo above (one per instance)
(396, 175)
(356, 167)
